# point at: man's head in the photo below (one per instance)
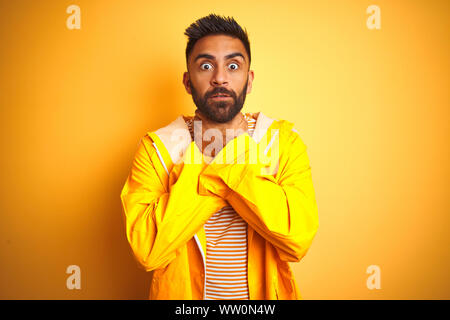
(218, 62)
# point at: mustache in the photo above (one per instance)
(220, 90)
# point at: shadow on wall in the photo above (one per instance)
(161, 105)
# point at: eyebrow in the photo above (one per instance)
(211, 57)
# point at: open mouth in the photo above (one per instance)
(220, 96)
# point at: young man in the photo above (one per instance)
(209, 221)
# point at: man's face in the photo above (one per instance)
(218, 64)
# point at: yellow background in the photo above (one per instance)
(371, 105)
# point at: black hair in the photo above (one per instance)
(214, 24)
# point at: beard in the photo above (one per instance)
(219, 111)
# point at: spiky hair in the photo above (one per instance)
(215, 24)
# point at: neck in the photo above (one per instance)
(230, 124)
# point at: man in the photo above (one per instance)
(209, 221)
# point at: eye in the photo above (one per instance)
(234, 64)
(205, 64)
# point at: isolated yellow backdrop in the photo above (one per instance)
(371, 105)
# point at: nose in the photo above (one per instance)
(219, 78)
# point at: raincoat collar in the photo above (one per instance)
(176, 136)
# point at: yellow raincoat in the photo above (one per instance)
(172, 190)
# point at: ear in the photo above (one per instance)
(186, 82)
(251, 76)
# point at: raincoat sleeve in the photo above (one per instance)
(283, 208)
(159, 221)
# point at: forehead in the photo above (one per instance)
(218, 46)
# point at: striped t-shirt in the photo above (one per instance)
(226, 246)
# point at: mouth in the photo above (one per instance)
(220, 96)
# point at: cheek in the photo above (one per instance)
(243, 83)
(200, 81)
(240, 79)
(198, 85)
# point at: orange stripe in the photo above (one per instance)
(237, 290)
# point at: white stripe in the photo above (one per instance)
(218, 217)
(223, 259)
(225, 218)
(235, 276)
(230, 261)
(217, 294)
(231, 237)
(241, 256)
(227, 274)
(243, 260)
(242, 269)
(223, 233)
(228, 287)
(232, 265)
(228, 266)
(225, 292)
(228, 242)
(227, 237)
(228, 222)
(226, 283)
(236, 237)
(236, 232)
(204, 262)
(214, 273)
(213, 297)
(224, 215)
(238, 246)
(235, 249)
(230, 217)
(222, 227)
(225, 210)
(231, 246)
(270, 143)
(160, 158)
(226, 269)
(228, 291)
(225, 226)
(238, 276)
